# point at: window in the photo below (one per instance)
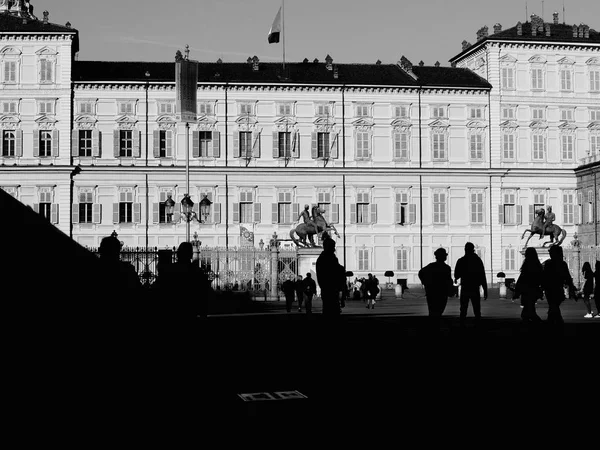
(45, 107)
(509, 209)
(439, 207)
(45, 143)
(10, 190)
(323, 110)
(539, 202)
(594, 144)
(284, 208)
(324, 202)
(508, 146)
(246, 109)
(590, 207)
(476, 146)
(567, 146)
(476, 112)
(508, 78)
(402, 259)
(362, 144)
(363, 259)
(246, 208)
(46, 69)
(206, 109)
(10, 72)
(566, 115)
(86, 108)
(163, 216)
(438, 146)
(322, 145)
(438, 112)
(508, 112)
(9, 107)
(84, 143)
(86, 207)
(569, 205)
(362, 111)
(9, 143)
(204, 143)
(510, 259)
(126, 108)
(245, 144)
(594, 115)
(363, 211)
(538, 114)
(477, 204)
(539, 147)
(126, 207)
(125, 143)
(566, 80)
(401, 111)
(404, 212)
(284, 109)
(537, 78)
(284, 144)
(166, 108)
(401, 145)
(45, 205)
(595, 80)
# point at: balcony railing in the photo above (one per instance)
(589, 159)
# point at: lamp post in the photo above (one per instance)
(188, 213)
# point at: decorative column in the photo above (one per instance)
(576, 244)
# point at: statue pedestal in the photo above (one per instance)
(307, 262)
(543, 253)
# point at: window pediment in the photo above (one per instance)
(593, 62)
(401, 123)
(207, 120)
(439, 124)
(594, 125)
(566, 61)
(124, 120)
(362, 123)
(476, 124)
(246, 120)
(45, 120)
(324, 122)
(10, 51)
(9, 120)
(567, 126)
(509, 124)
(46, 51)
(537, 59)
(509, 59)
(538, 124)
(284, 121)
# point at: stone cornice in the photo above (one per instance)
(45, 36)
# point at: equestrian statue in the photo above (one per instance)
(311, 225)
(543, 224)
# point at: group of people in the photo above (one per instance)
(365, 289)
(300, 290)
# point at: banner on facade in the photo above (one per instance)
(186, 81)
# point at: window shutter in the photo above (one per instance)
(19, 142)
(176, 215)
(97, 213)
(397, 213)
(256, 144)
(116, 144)
(75, 142)
(236, 213)
(115, 213)
(412, 213)
(353, 213)
(54, 213)
(36, 207)
(576, 214)
(333, 151)
(195, 144)
(155, 212)
(96, 143)
(501, 214)
(156, 143)
(236, 144)
(275, 144)
(335, 213)
(531, 214)
(216, 210)
(136, 143)
(169, 144)
(519, 214)
(257, 212)
(55, 146)
(274, 215)
(36, 143)
(313, 146)
(137, 212)
(295, 144)
(373, 208)
(75, 213)
(216, 144)
(295, 211)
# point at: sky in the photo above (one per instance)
(351, 31)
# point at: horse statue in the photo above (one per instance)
(307, 230)
(537, 227)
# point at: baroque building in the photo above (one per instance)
(403, 158)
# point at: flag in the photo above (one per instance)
(275, 28)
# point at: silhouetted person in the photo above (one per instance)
(372, 290)
(437, 279)
(469, 269)
(529, 285)
(555, 277)
(299, 292)
(309, 290)
(289, 291)
(119, 274)
(597, 289)
(588, 288)
(331, 277)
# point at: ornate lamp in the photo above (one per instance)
(187, 206)
(205, 208)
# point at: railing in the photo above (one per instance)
(589, 159)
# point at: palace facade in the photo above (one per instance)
(404, 158)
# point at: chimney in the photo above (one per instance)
(437, 64)
(574, 30)
(533, 30)
(421, 63)
(482, 33)
(249, 60)
(255, 63)
(519, 28)
(497, 28)
(405, 64)
(329, 62)
(555, 18)
(378, 62)
(68, 24)
(46, 14)
(586, 32)
(335, 73)
(547, 29)
(580, 32)
(465, 45)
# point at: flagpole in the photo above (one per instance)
(283, 30)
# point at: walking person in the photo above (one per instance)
(437, 279)
(554, 279)
(371, 290)
(299, 287)
(289, 291)
(331, 276)
(529, 285)
(588, 288)
(470, 271)
(309, 289)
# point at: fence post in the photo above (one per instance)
(576, 244)
(274, 246)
